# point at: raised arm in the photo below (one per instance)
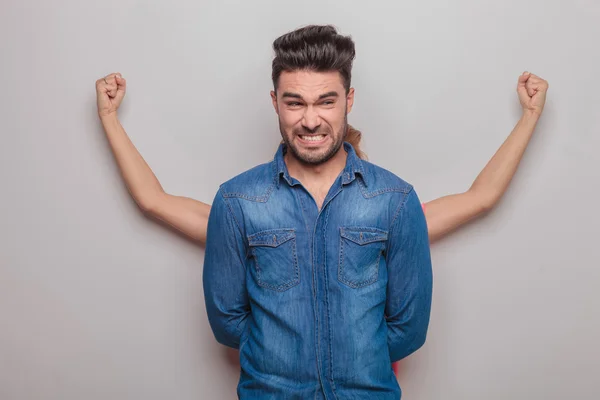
(447, 213)
(186, 215)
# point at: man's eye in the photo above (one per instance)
(293, 104)
(328, 102)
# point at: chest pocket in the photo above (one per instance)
(360, 254)
(275, 259)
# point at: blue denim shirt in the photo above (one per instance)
(318, 302)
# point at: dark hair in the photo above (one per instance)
(315, 47)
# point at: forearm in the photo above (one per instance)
(402, 343)
(447, 213)
(227, 329)
(493, 180)
(186, 215)
(139, 178)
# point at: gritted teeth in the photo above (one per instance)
(312, 138)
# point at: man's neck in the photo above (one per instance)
(326, 172)
(317, 179)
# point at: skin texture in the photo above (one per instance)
(313, 105)
(310, 114)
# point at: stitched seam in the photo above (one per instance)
(363, 242)
(314, 294)
(400, 207)
(396, 215)
(259, 199)
(368, 195)
(275, 174)
(230, 211)
(326, 269)
(266, 243)
(341, 266)
(364, 229)
(292, 237)
(356, 285)
(383, 235)
(285, 285)
(274, 230)
(287, 233)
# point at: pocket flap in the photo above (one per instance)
(363, 235)
(271, 237)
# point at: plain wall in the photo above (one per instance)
(99, 302)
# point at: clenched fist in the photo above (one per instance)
(532, 92)
(110, 91)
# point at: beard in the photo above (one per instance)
(315, 157)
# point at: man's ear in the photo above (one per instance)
(274, 100)
(350, 100)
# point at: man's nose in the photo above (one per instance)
(311, 120)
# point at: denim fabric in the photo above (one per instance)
(318, 302)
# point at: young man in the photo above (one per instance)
(317, 264)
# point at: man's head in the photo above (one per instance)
(312, 96)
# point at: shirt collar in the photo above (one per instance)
(354, 165)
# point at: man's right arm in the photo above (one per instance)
(186, 215)
(224, 275)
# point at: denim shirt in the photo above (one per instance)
(318, 302)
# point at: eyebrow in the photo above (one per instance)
(333, 93)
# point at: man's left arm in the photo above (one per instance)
(410, 279)
(224, 275)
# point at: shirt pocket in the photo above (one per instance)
(360, 254)
(275, 258)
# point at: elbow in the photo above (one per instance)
(226, 334)
(149, 205)
(486, 206)
(226, 340)
(420, 341)
(146, 207)
(485, 201)
(404, 346)
(225, 331)
(404, 352)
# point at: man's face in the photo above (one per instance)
(312, 109)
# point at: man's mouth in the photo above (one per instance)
(312, 138)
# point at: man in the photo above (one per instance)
(317, 264)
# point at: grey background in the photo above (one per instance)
(99, 302)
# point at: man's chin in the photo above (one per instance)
(315, 156)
